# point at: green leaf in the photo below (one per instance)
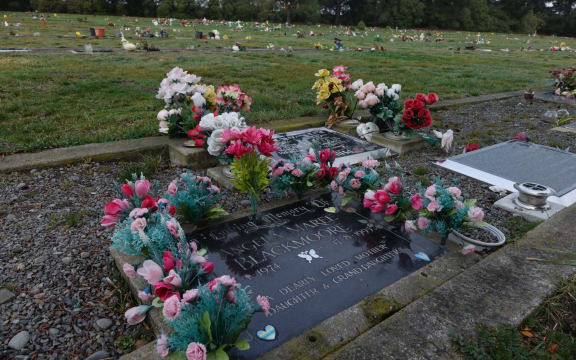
(309, 183)
(331, 210)
(157, 303)
(176, 356)
(215, 212)
(243, 345)
(206, 323)
(221, 354)
(202, 252)
(346, 199)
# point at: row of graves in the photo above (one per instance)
(254, 283)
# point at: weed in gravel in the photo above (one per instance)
(518, 227)
(148, 166)
(74, 218)
(126, 342)
(421, 170)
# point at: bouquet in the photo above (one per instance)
(564, 82)
(442, 210)
(331, 92)
(392, 200)
(229, 98)
(195, 198)
(324, 159)
(354, 181)
(381, 101)
(295, 175)
(416, 115)
(207, 324)
(251, 149)
(210, 133)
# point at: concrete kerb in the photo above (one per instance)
(502, 288)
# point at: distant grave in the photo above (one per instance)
(348, 148)
(515, 161)
(312, 264)
(551, 97)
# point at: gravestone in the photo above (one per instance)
(515, 161)
(310, 263)
(551, 97)
(348, 148)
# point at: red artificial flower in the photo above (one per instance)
(208, 267)
(327, 155)
(112, 208)
(409, 104)
(432, 98)
(168, 261)
(321, 174)
(333, 171)
(471, 147)
(408, 114)
(423, 98)
(172, 210)
(164, 290)
(424, 113)
(237, 149)
(149, 203)
(419, 104)
(127, 190)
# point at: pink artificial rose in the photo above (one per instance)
(164, 201)
(264, 304)
(138, 224)
(468, 249)
(171, 308)
(363, 104)
(129, 271)
(191, 295)
(382, 197)
(359, 174)
(231, 296)
(476, 214)
(297, 172)
(423, 223)
(433, 206)
(278, 172)
(430, 192)
(371, 100)
(394, 186)
(391, 209)
(138, 212)
(360, 95)
(162, 347)
(409, 226)
(142, 187)
(342, 176)
(151, 272)
(370, 195)
(417, 202)
(215, 188)
(355, 184)
(454, 191)
(136, 314)
(196, 351)
(144, 296)
(370, 164)
(173, 188)
(109, 220)
(173, 228)
(173, 279)
(459, 204)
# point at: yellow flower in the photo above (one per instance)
(322, 95)
(322, 73)
(209, 95)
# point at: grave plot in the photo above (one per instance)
(311, 264)
(348, 148)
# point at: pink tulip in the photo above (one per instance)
(172, 307)
(144, 296)
(173, 279)
(172, 188)
(129, 271)
(151, 272)
(264, 304)
(138, 224)
(109, 220)
(136, 314)
(196, 351)
(162, 346)
(142, 187)
(191, 295)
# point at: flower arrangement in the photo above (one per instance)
(392, 200)
(331, 92)
(177, 86)
(564, 82)
(354, 181)
(324, 159)
(251, 149)
(232, 99)
(210, 133)
(295, 175)
(381, 101)
(442, 209)
(195, 198)
(210, 320)
(416, 115)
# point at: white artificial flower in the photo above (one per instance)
(175, 112)
(221, 122)
(437, 133)
(207, 122)
(357, 84)
(397, 88)
(163, 127)
(234, 120)
(191, 79)
(215, 144)
(392, 94)
(198, 100)
(162, 115)
(382, 86)
(176, 74)
(447, 139)
(379, 91)
(180, 88)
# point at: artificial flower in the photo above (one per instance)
(151, 272)
(136, 314)
(196, 351)
(129, 271)
(171, 309)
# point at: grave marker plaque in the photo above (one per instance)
(310, 263)
(348, 148)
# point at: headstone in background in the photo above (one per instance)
(348, 149)
(312, 264)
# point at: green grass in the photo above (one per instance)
(52, 100)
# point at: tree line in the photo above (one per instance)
(524, 16)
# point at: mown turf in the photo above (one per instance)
(61, 100)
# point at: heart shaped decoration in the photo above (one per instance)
(268, 334)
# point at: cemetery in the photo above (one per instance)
(245, 190)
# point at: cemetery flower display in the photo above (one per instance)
(206, 324)
(442, 209)
(295, 175)
(416, 115)
(392, 199)
(251, 149)
(324, 159)
(331, 93)
(354, 181)
(195, 198)
(382, 103)
(230, 98)
(212, 128)
(177, 86)
(564, 81)
(471, 147)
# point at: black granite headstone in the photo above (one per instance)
(519, 161)
(347, 148)
(310, 263)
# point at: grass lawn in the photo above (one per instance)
(53, 100)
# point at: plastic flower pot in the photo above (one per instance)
(100, 32)
(529, 95)
(464, 240)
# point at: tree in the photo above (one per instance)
(530, 23)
